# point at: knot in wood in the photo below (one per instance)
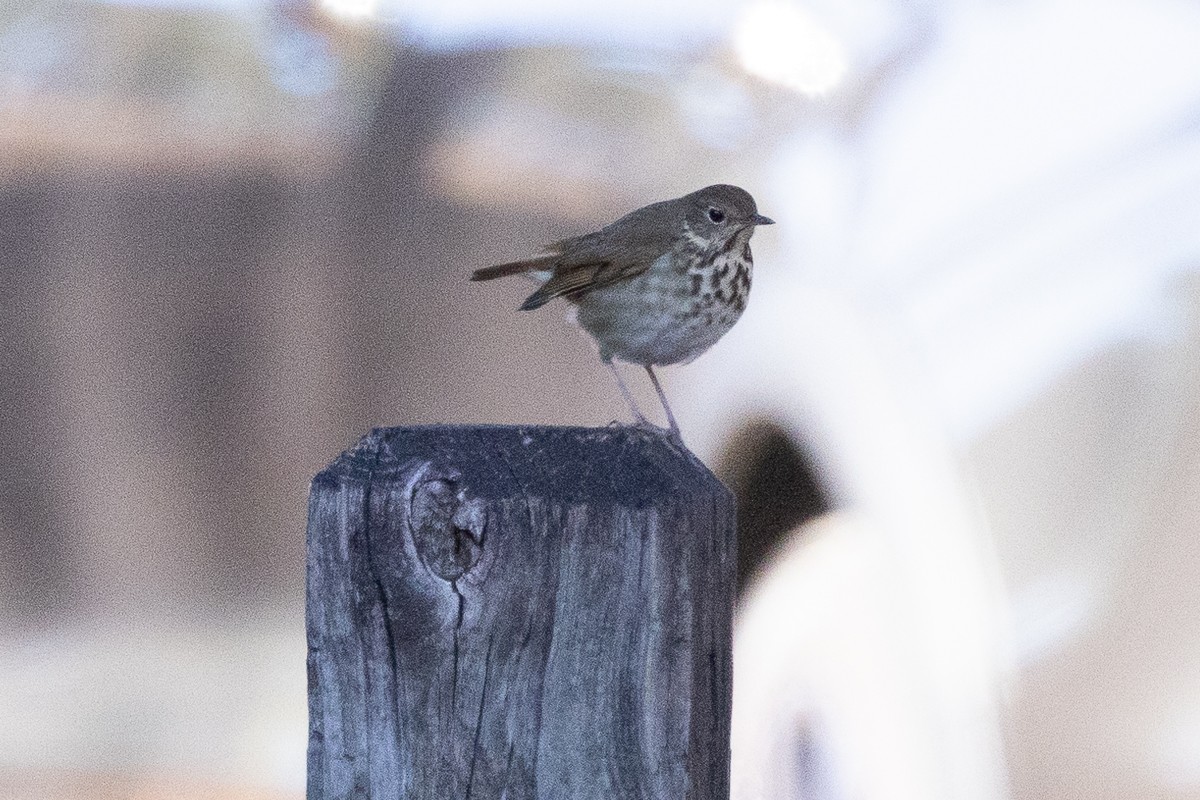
(447, 526)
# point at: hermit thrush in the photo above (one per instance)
(659, 286)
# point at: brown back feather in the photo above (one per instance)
(616, 252)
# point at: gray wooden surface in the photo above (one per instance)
(502, 612)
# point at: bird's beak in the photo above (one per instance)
(759, 219)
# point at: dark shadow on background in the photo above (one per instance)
(776, 486)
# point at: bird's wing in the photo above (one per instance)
(575, 280)
(618, 252)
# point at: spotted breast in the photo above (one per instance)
(678, 308)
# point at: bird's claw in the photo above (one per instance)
(672, 435)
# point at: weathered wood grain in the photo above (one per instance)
(518, 613)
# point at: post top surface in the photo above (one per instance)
(628, 465)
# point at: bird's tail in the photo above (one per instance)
(534, 264)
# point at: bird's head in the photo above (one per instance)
(718, 212)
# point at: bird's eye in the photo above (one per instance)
(716, 215)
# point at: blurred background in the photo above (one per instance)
(960, 412)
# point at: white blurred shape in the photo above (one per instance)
(1026, 211)
(794, 664)
(831, 663)
(716, 110)
(869, 30)
(351, 9)
(816, 176)
(451, 23)
(1018, 106)
(782, 43)
(1049, 612)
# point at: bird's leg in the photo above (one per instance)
(641, 420)
(663, 399)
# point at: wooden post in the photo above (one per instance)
(506, 613)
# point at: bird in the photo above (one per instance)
(658, 286)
